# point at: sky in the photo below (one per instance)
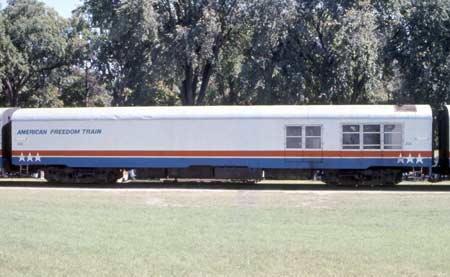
(63, 7)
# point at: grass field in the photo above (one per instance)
(51, 232)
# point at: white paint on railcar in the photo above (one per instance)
(223, 130)
(224, 112)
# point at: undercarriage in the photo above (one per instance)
(82, 175)
(368, 177)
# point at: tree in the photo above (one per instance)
(358, 71)
(315, 52)
(81, 88)
(123, 45)
(331, 52)
(33, 46)
(193, 34)
(79, 84)
(4, 46)
(261, 78)
(419, 49)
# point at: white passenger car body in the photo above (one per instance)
(310, 137)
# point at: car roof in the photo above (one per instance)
(222, 112)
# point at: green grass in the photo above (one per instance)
(239, 233)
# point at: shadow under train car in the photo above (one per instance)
(191, 184)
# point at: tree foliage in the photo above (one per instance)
(123, 45)
(419, 46)
(33, 46)
(196, 52)
(193, 34)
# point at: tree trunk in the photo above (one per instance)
(115, 98)
(232, 95)
(118, 96)
(207, 71)
(358, 91)
(187, 92)
(86, 86)
(12, 95)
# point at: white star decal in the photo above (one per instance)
(410, 159)
(29, 158)
(37, 158)
(21, 158)
(419, 159)
(400, 159)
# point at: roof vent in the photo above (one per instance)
(406, 108)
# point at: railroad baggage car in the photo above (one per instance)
(370, 144)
